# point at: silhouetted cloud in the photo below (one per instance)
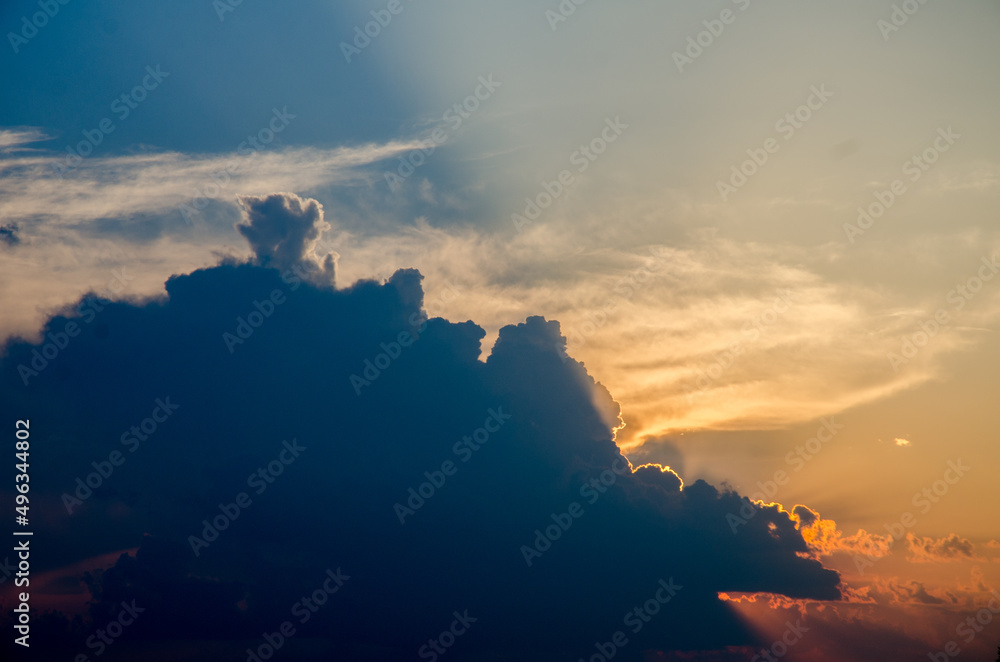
(484, 460)
(805, 515)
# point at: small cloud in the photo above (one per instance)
(824, 538)
(283, 231)
(905, 443)
(929, 550)
(893, 591)
(12, 139)
(9, 234)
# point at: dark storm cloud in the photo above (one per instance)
(525, 441)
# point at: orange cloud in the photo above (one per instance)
(929, 550)
(824, 538)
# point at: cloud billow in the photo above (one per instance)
(283, 229)
(334, 508)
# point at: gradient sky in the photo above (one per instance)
(726, 325)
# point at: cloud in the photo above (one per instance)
(906, 623)
(663, 343)
(123, 186)
(891, 590)
(824, 538)
(929, 550)
(11, 140)
(661, 324)
(174, 211)
(9, 234)
(283, 229)
(380, 399)
(805, 515)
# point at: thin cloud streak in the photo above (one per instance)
(118, 186)
(12, 139)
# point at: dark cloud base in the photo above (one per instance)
(333, 506)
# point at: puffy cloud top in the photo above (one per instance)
(282, 229)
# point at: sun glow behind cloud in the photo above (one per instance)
(725, 326)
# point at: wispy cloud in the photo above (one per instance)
(124, 185)
(12, 139)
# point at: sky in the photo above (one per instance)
(741, 255)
